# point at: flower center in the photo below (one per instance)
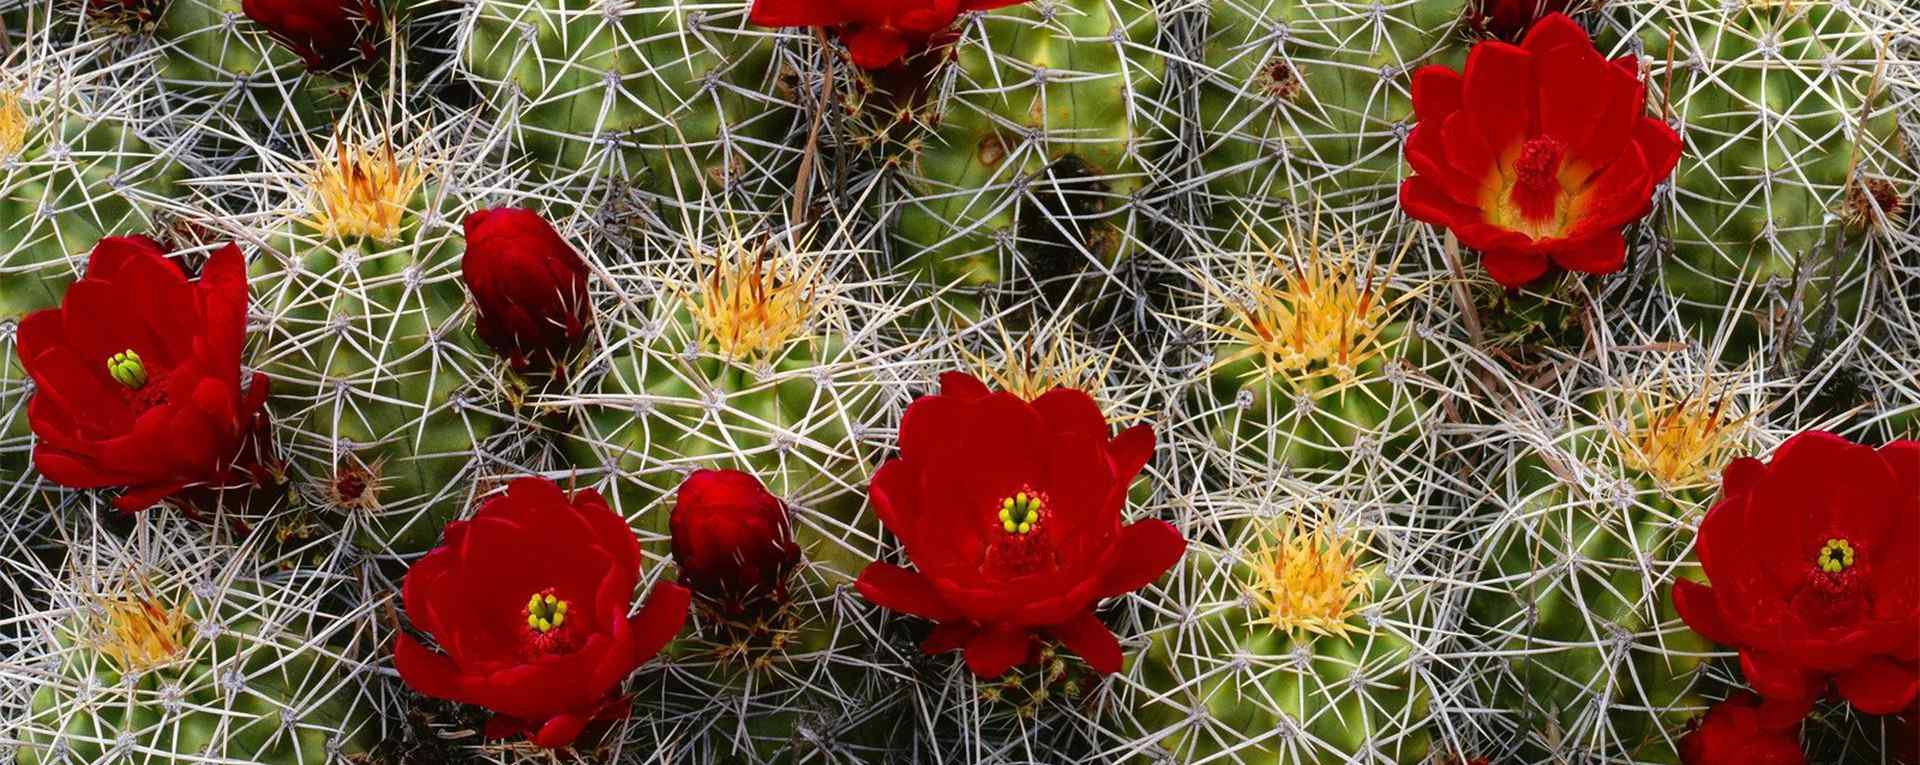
(126, 368)
(1020, 512)
(545, 613)
(1536, 187)
(1836, 556)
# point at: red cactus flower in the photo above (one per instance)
(1814, 560)
(137, 378)
(1508, 19)
(529, 602)
(1010, 512)
(1734, 732)
(732, 541)
(1538, 155)
(529, 288)
(877, 34)
(326, 34)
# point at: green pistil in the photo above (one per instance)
(1836, 556)
(1019, 513)
(126, 369)
(546, 612)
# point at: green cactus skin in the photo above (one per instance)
(1306, 102)
(679, 100)
(374, 363)
(671, 403)
(255, 681)
(77, 175)
(1575, 603)
(1041, 137)
(1777, 104)
(1219, 689)
(219, 64)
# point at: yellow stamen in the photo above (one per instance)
(1020, 512)
(752, 304)
(545, 612)
(361, 192)
(126, 368)
(1836, 556)
(1308, 582)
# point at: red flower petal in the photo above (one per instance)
(963, 386)
(997, 649)
(1145, 550)
(892, 587)
(559, 731)
(1881, 686)
(949, 636)
(1602, 254)
(1131, 451)
(1437, 91)
(875, 47)
(661, 618)
(1515, 269)
(1066, 410)
(1499, 92)
(1092, 641)
(1700, 611)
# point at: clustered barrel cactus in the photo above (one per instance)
(1319, 382)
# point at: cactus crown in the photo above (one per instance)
(1040, 361)
(140, 633)
(1679, 438)
(751, 305)
(1308, 581)
(359, 191)
(1309, 312)
(13, 124)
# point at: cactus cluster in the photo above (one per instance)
(1426, 515)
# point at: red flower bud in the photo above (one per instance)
(1734, 733)
(1509, 19)
(529, 288)
(733, 542)
(137, 375)
(531, 604)
(877, 35)
(327, 34)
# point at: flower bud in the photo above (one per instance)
(529, 288)
(327, 34)
(733, 542)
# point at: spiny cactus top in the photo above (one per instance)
(528, 601)
(1538, 154)
(139, 374)
(1010, 511)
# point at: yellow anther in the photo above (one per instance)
(1836, 556)
(126, 368)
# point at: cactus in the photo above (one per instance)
(1306, 637)
(1041, 139)
(385, 396)
(682, 102)
(1307, 102)
(752, 358)
(1793, 164)
(163, 649)
(73, 169)
(1593, 526)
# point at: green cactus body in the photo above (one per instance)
(677, 100)
(1041, 138)
(68, 177)
(1305, 103)
(383, 394)
(242, 678)
(1778, 104)
(1576, 605)
(217, 61)
(673, 401)
(1227, 686)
